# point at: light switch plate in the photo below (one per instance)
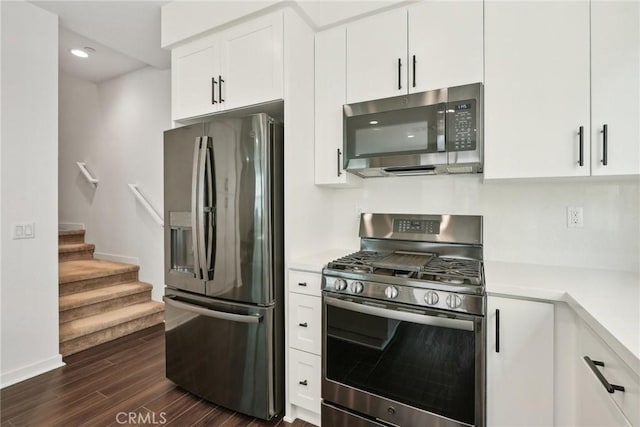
(25, 230)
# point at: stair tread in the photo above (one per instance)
(88, 325)
(94, 296)
(75, 247)
(71, 232)
(73, 271)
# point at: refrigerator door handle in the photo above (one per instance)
(194, 209)
(200, 234)
(223, 315)
(210, 211)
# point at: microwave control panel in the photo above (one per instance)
(461, 125)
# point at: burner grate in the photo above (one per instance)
(453, 270)
(356, 262)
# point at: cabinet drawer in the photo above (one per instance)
(615, 371)
(305, 318)
(305, 282)
(304, 380)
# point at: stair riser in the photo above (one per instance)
(98, 282)
(70, 238)
(109, 334)
(76, 255)
(99, 307)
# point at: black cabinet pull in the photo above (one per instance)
(414, 71)
(213, 90)
(611, 388)
(399, 73)
(304, 382)
(605, 137)
(220, 89)
(302, 284)
(581, 138)
(339, 154)
(497, 331)
(304, 325)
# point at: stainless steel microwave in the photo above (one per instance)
(434, 132)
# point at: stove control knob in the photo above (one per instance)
(356, 287)
(431, 298)
(391, 292)
(341, 285)
(454, 301)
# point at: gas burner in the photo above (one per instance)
(358, 262)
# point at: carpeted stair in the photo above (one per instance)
(99, 300)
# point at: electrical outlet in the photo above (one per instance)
(575, 217)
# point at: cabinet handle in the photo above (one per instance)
(611, 388)
(213, 90)
(304, 382)
(581, 138)
(605, 137)
(304, 284)
(304, 325)
(220, 89)
(497, 331)
(399, 73)
(414, 71)
(339, 154)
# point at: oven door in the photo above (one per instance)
(403, 365)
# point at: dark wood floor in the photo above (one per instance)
(123, 376)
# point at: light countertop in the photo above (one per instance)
(608, 301)
(316, 262)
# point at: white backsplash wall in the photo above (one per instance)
(524, 221)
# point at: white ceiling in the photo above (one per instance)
(125, 34)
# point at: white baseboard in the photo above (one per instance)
(26, 372)
(71, 226)
(117, 258)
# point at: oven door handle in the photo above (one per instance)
(424, 319)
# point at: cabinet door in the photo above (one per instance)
(446, 44)
(377, 56)
(194, 69)
(536, 89)
(519, 363)
(330, 95)
(304, 380)
(595, 407)
(615, 86)
(252, 62)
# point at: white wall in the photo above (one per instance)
(29, 192)
(117, 128)
(524, 220)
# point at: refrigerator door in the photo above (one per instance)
(247, 172)
(223, 352)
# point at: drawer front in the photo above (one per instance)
(615, 371)
(305, 323)
(304, 282)
(304, 380)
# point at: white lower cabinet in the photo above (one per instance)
(596, 406)
(520, 367)
(304, 329)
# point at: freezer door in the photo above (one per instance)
(223, 353)
(248, 175)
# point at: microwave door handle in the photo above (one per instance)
(200, 234)
(194, 208)
(442, 128)
(423, 319)
(211, 209)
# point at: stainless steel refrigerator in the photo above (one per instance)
(223, 197)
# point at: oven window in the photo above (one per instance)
(428, 367)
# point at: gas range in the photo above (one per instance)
(430, 261)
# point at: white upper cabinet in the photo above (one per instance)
(520, 367)
(537, 89)
(331, 93)
(238, 67)
(252, 62)
(615, 86)
(445, 44)
(377, 56)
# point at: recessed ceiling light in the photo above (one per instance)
(373, 122)
(79, 53)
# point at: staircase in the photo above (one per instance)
(99, 300)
